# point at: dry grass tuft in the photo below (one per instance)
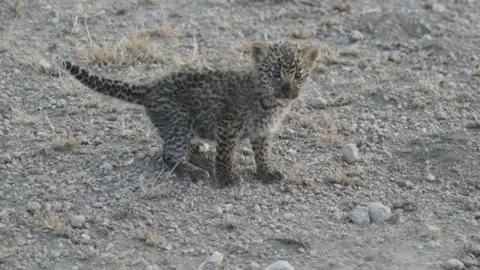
(337, 176)
(151, 238)
(430, 3)
(216, 259)
(126, 52)
(166, 30)
(6, 255)
(429, 86)
(52, 222)
(156, 190)
(63, 143)
(4, 44)
(300, 33)
(18, 7)
(341, 100)
(149, 2)
(230, 223)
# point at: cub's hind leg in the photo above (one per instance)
(200, 155)
(175, 129)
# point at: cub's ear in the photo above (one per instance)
(310, 55)
(258, 51)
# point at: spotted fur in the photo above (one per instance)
(220, 105)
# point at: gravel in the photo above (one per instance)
(380, 152)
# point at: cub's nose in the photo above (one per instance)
(288, 90)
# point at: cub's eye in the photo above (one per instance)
(298, 75)
(276, 74)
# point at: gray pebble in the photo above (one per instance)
(318, 103)
(378, 212)
(280, 265)
(106, 166)
(397, 217)
(288, 216)
(77, 221)
(454, 264)
(429, 177)
(439, 8)
(33, 206)
(350, 153)
(5, 158)
(152, 267)
(440, 115)
(429, 231)
(356, 36)
(359, 215)
(85, 237)
(252, 266)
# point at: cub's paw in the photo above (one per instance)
(270, 175)
(227, 179)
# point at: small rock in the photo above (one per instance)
(288, 216)
(33, 206)
(341, 266)
(61, 103)
(252, 266)
(397, 217)
(216, 258)
(152, 267)
(85, 237)
(279, 265)
(439, 8)
(429, 177)
(379, 212)
(429, 231)
(473, 125)
(77, 221)
(470, 261)
(440, 115)
(107, 166)
(359, 215)
(318, 103)
(356, 36)
(454, 264)
(350, 153)
(5, 158)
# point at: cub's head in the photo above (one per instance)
(281, 69)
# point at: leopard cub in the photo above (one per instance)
(220, 105)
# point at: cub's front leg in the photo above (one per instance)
(227, 132)
(265, 169)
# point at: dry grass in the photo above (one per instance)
(166, 30)
(230, 223)
(430, 3)
(151, 238)
(37, 63)
(219, 260)
(53, 223)
(128, 51)
(429, 86)
(149, 2)
(63, 143)
(341, 100)
(300, 33)
(156, 189)
(4, 44)
(6, 255)
(18, 7)
(337, 176)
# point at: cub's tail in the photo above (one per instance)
(114, 88)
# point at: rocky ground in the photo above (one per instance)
(382, 151)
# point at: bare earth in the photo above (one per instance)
(82, 188)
